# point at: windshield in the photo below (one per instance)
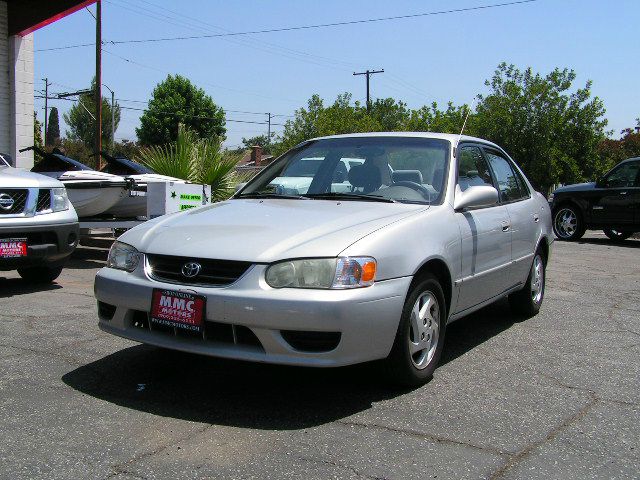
(54, 162)
(124, 166)
(400, 169)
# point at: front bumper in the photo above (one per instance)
(48, 244)
(365, 318)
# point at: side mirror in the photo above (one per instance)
(474, 197)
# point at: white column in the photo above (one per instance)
(5, 90)
(21, 98)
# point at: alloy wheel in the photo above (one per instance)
(566, 223)
(424, 329)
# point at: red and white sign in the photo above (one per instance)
(13, 247)
(178, 309)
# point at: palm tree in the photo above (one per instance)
(196, 160)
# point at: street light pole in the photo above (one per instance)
(113, 119)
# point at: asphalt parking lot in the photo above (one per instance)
(555, 396)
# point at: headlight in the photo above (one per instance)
(60, 201)
(123, 257)
(338, 273)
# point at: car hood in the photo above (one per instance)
(17, 178)
(264, 231)
(578, 187)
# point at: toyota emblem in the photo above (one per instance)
(191, 269)
(6, 201)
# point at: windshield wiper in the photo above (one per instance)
(271, 195)
(350, 196)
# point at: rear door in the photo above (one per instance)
(617, 199)
(523, 216)
(485, 235)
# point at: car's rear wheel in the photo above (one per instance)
(40, 274)
(568, 223)
(617, 235)
(527, 302)
(420, 336)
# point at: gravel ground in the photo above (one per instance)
(555, 396)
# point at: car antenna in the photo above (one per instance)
(464, 124)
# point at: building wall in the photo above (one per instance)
(21, 81)
(16, 93)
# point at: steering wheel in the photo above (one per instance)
(414, 186)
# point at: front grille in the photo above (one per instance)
(36, 238)
(212, 272)
(44, 200)
(13, 200)
(213, 332)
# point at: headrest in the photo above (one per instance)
(407, 176)
(366, 176)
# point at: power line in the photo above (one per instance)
(301, 27)
(233, 120)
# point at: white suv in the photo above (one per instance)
(38, 224)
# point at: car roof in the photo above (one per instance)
(450, 137)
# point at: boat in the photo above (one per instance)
(91, 193)
(134, 204)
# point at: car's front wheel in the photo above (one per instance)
(617, 235)
(420, 336)
(527, 302)
(40, 274)
(568, 223)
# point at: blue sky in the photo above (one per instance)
(434, 58)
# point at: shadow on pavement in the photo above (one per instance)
(16, 286)
(87, 258)
(611, 243)
(250, 395)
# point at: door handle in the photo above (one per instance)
(505, 226)
(536, 217)
(623, 193)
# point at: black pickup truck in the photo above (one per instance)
(611, 204)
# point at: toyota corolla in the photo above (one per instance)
(425, 229)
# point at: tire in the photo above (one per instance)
(40, 274)
(568, 223)
(408, 364)
(617, 235)
(527, 302)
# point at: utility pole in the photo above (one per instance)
(269, 128)
(98, 91)
(368, 73)
(46, 107)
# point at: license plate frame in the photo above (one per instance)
(13, 247)
(181, 310)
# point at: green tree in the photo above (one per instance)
(37, 131)
(81, 119)
(53, 128)
(432, 119)
(79, 151)
(551, 129)
(613, 151)
(126, 148)
(176, 101)
(199, 160)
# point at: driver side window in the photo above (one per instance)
(624, 176)
(472, 168)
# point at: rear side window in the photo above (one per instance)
(510, 185)
(472, 168)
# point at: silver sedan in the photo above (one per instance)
(361, 262)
